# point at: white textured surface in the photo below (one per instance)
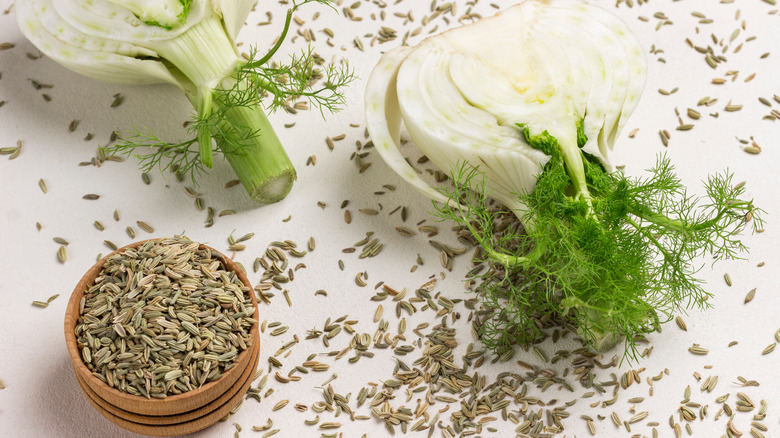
(42, 399)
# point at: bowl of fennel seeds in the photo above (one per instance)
(163, 336)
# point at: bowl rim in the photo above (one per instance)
(172, 404)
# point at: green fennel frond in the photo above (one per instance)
(305, 76)
(287, 21)
(616, 269)
(153, 153)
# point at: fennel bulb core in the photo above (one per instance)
(203, 53)
(544, 66)
(167, 14)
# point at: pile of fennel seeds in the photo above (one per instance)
(164, 319)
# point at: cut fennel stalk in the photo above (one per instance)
(524, 108)
(190, 44)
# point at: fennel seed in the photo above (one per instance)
(144, 226)
(698, 350)
(681, 323)
(118, 99)
(62, 254)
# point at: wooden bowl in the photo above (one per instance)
(231, 397)
(174, 425)
(193, 406)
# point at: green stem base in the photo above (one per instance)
(252, 148)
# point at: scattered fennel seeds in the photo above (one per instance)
(45, 304)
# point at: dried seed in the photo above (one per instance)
(664, 138)
(750, 295)
(681, 323)
(144, 226)
(696, 349)
(118, 99)
(330, 425)
(62, 254)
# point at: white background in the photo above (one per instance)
(42, 397)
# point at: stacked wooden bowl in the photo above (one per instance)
(174, 415)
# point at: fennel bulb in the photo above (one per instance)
(189, 44)
(525, 107)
